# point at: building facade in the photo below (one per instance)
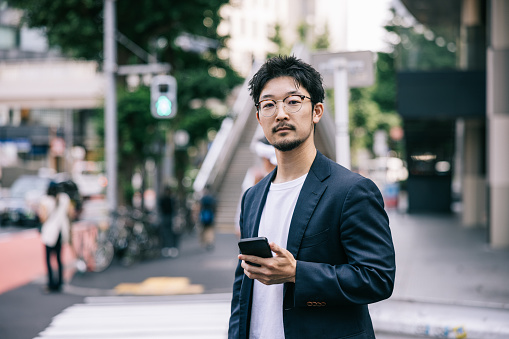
(461, 116)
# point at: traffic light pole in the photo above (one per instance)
(110, 111)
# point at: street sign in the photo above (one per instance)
(360, 66)
(143, 69)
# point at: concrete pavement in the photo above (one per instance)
(449, 283)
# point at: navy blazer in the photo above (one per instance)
(340, 237)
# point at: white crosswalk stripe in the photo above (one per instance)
(202, 316)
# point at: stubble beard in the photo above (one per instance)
(290, 145)
(286, 146)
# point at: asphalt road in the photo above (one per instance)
(25, 311)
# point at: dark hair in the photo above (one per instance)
(53, 189)
(303, 74)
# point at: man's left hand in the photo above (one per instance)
(276, 270)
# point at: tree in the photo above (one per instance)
(374, 108)
(277, 39)
(75, 26)
(416, 47)
(322, 40)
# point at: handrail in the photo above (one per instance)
(223, 147)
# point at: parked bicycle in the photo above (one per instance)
(132, 236)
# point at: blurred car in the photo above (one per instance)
(90, 178)
(19, 208)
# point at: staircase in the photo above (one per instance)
(230, 190)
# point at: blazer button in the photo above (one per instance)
(309, 303)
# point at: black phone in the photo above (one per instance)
(258, 246)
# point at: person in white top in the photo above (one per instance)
(54, 214)
(327, 227)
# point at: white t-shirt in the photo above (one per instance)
(267, 308)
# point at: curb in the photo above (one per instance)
(440, 320)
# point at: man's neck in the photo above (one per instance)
(294, 164)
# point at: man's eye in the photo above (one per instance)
(267, 105)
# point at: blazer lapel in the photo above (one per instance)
(309, 196)
(259, 203)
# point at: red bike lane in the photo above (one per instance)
(23, 259)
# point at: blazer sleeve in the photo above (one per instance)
(234, 324)
(368, 273)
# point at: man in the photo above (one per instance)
(328, 231)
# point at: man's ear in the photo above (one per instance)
(317, 112)
(258, 117)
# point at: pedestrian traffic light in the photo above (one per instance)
(163, 97)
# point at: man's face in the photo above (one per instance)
(287, 131)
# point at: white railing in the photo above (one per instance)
(226, 141)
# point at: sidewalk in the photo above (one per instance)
(449, 282)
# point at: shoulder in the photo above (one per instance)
(260, 187)
(334, 174)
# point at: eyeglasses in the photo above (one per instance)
(292, 104)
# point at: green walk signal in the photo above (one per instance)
(163, 106)
(163, 97)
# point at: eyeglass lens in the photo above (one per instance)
(292, 104)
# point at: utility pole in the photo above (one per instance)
(110, 111)
(341, 93)
(342, 71)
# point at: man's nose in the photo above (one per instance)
(280, 110)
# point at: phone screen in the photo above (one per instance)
(258, 246)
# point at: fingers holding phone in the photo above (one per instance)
(259, 263)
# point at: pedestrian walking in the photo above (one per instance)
(207, 216)
(170, 239)
(327, 227)
(54, 211)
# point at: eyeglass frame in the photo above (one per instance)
(302, 96)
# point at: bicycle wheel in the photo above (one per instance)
(132, 253)
(103, 256)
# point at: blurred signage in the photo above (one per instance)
(360, 65)
(194, 43)
(144, 69)
(51, 84)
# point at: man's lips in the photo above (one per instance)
(280, 128)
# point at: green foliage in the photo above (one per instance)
(138, 131)
(384, 91)
(198, 123)
(322, 40)
(302, 30)
(419, 48)
(277, 39)
(366, 117)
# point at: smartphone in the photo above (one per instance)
(258, 246)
